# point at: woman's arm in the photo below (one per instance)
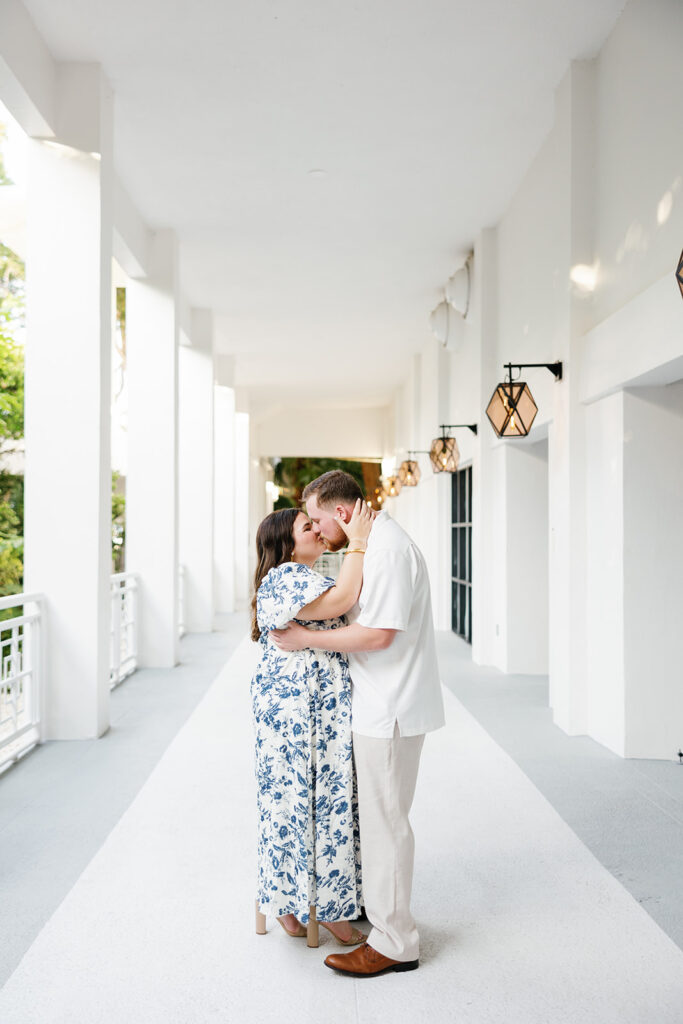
(344, 594)
(345, 639)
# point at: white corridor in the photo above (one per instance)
(520, 923)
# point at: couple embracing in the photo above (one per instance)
(346, 687)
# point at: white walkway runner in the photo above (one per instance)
(520, 924)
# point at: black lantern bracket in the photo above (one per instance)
(555, 369)
(454, 426)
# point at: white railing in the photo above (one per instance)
(124, 627)
(181, 600)
(21, 676)
(329, 563)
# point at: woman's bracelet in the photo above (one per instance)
(355, 551)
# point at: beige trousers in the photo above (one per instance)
(386, 770)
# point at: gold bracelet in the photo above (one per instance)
(355, 551)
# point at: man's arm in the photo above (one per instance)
(345, 640)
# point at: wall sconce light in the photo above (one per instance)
(679, 274)
(444, 453)
(458, 288)
(512, 409)
(409, 472)
(379, 495)
(393, 487)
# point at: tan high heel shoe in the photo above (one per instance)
(298, 934)
(309, 931)
(357, 936)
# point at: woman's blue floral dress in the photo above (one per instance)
(308, 840)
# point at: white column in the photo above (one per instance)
(245, 499)
(224, 500)
(635, 601)
(196, 458)
(68, 381)
(488, 556)
(566, 437)
(605, 571)
(152, 484)
(526, 525)
(434, 490)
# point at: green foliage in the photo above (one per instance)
(118, 523)
(12, 285)
(11, 537)
(12, 295)
(11, 389)
(293, 475)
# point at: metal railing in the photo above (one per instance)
(124, 627)
(21, 676)
(329, 563)
(21, 653)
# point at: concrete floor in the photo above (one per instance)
(520, 921)
(59, 804)
(628, 812)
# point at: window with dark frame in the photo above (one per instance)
(461, 554)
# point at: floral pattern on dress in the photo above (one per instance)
(308, 839)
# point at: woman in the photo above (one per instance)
(308, 843)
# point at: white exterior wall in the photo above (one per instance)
(640, 153)
(196, 473)
(605, 191)
(152, 483)
(653, 569)
(67, 542)
(224, 500)
(605, 575)
(320, 432)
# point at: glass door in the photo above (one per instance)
(461, 554)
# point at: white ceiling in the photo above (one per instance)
(423, 117)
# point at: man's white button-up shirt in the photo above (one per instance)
(401, 683)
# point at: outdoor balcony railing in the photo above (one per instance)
(124, 627)
(21, 676)
(21, 652)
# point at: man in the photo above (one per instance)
(396, 700)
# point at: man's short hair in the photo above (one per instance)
(332, 488)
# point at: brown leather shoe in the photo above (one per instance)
(366, 961)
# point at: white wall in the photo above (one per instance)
(653, 570)
(605, 191)
(640, 153)
(321, 432)
(224, 500)
(526, 520)
(605, 571)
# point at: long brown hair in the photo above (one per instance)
(274, 545)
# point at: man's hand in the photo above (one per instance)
(294, 637)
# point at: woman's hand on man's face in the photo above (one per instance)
(294, 637)
(360, 523)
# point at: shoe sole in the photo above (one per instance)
(407, 965)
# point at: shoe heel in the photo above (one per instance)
(260, 921)
(312, 931)
(407, 965)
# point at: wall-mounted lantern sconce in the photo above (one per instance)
(409, 471)
(679, 274)
(512, 409)
(380, 495)
(444, 453)
(393, 487)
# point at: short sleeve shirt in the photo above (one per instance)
(400, 684)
